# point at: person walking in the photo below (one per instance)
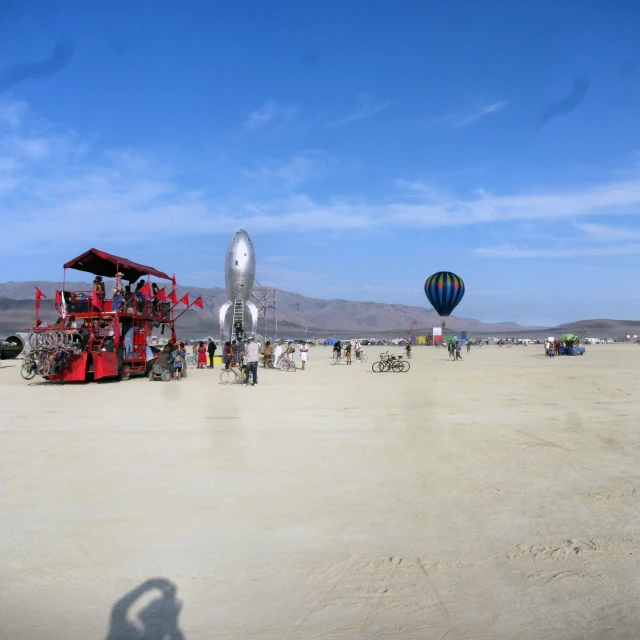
(177, 358)
(268, 354)
(251, 357)
(468, 347)
(347, 352)
(227, 354)
(277, 353)
(211, 350)
(202, 356)
(458, 351)
(451, 348)
(304, 353)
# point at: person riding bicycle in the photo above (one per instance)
(358, 349)
(337, 349)
(408, 348)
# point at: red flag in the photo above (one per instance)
(39, 295)
(185, 299)
(162, 295)
(58, 299)
(95, 301)
(173, 280)
(145, 290)
(198, 302)
(172, 297)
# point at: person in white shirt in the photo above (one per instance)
(304, 353)
(277, 353)
(251, 358)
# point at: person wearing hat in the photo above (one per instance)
(118, 291)
(251, 359)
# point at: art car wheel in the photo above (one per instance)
(124, 373)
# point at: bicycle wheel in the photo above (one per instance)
(28, 370)
(292, 366)
(228, 376)
(363, 357)
(376, 367)
(405, 366)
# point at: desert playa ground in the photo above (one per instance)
(491, 498)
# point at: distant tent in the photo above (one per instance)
(330, 341)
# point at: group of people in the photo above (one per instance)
(455, 350)
(235, 351)
(552, 348)
(173, 357)
(349, 347)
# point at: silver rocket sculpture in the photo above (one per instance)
(239, 273)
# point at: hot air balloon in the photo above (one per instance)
(444, 291)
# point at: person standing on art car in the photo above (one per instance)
(118, 291)
(155, 301)
(98, 293)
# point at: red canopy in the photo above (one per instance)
(104, 264)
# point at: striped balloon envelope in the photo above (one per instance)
(444, 290)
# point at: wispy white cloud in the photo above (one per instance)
(269, 114)
(605, 233)
(513, 252)
(303, 167)
(463, 118)
(367, 109)
(56, 176)
(12, 112)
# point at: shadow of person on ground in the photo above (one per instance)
(158, 620)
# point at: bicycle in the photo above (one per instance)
(29, 365)
(362, 357)
(286, 364)
(389, 362)
(231, 375)
(336, 357)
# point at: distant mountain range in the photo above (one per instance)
(298, 314)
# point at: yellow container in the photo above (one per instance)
(421, 339)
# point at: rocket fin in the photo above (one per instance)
(225, 323)
(251, 317)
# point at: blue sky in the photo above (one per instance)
(364, 145)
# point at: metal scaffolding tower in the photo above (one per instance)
(266, 300)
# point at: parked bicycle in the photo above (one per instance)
(390, 362)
